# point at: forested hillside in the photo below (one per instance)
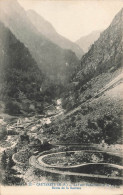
(20, 77)
(55, 62)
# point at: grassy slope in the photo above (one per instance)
(93, 113)
(94, 120)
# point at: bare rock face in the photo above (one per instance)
(106, 54)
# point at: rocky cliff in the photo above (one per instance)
(106, 53)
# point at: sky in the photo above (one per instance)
(75, 18)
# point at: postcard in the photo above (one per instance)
(61, 92)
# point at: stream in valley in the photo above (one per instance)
(35, 170)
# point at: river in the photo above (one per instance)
(33, 126)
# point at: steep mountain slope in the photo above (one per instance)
(85, 42)
(94, 121)
(53, 60)
(106, 54)
(48, 30)
(100, 65)
(20, 77)
(94, 99)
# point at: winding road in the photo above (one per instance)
(37, 162)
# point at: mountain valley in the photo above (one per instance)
(55, 109)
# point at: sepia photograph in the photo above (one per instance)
(61, 94)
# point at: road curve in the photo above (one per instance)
(43, 166)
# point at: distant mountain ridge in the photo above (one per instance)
(85, 42)
(49, 31)
(55, 62)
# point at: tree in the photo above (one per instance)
(10, 164)
(3, 132)
(4, 160)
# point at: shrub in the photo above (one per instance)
(3, 132)
(12, 108)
